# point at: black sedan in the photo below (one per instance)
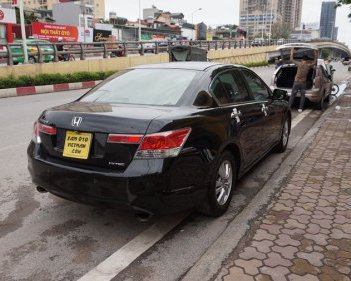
(160, 138)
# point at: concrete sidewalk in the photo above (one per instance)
(305, 234)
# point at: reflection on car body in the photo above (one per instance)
(160, 138)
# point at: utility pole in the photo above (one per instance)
(23, 31)
(270, 21)
(247, 19)
(139, 23)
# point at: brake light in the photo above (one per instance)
(162, 145)
(127, 139)
(36, 129)
(45, 129)
(41, 128)
(36, 137)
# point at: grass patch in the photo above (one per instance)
(49, 79)
(256, 64)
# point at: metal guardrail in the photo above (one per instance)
(58, 51)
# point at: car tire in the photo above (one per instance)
(320, 105)
(284, 138)
(220, 190)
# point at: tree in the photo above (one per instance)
(339, 3)
(280, 30)
(29, 16)
(325, 53)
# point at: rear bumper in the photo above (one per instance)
(313, 95)
(158, 187)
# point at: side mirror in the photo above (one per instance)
(279, 94)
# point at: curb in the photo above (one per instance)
(34, 90)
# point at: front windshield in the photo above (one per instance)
(144, 86)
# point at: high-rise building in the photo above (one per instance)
(97, 5)
(290, 11)
(257, 16)
(327, 21)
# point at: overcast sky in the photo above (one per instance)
(222, 12)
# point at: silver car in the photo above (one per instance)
(318, 84)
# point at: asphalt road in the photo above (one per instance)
(43, 237)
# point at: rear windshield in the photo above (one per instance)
(144, 86)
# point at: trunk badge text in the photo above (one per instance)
(76, 121)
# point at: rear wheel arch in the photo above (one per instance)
(235, 151)
(288, 116)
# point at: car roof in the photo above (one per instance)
(297, 45)
(190, 65)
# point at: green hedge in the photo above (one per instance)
(255, 64)
(49, 79)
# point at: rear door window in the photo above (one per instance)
(258, 88)
(227, 88)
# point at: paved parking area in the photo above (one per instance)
(305, 234)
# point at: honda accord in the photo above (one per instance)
(160, 138)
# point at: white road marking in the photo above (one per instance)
(300, 117)
(123, 257)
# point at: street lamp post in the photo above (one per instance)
(192, 14)
(139, 24)
(192, 20)
(247, 19)
(23, 31)
(270, 21)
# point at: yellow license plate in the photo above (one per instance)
(77, 145)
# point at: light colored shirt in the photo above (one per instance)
(303, 67)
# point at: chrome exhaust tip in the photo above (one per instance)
(142, 215)
(41, 190)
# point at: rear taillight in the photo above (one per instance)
(45, 129)
(126, 139)
(36, 137)
(41, 128)
(162, 145)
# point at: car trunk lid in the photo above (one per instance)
(95, 121)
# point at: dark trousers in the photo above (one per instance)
(301, 87)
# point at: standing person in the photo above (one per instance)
(330, 68)
(279, 63)
(59, 48)
(303, 68)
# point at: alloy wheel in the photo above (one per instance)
(224, 182)
(285, 133)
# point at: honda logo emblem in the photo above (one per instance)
(76, 121)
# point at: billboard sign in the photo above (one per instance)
(101, 35)
(7, 15)
(53, 32)
(87, 36)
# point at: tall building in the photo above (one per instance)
(257, 16)
(327, 21)
(97, 5)
(291, 11)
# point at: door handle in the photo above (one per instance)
(236, 114)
